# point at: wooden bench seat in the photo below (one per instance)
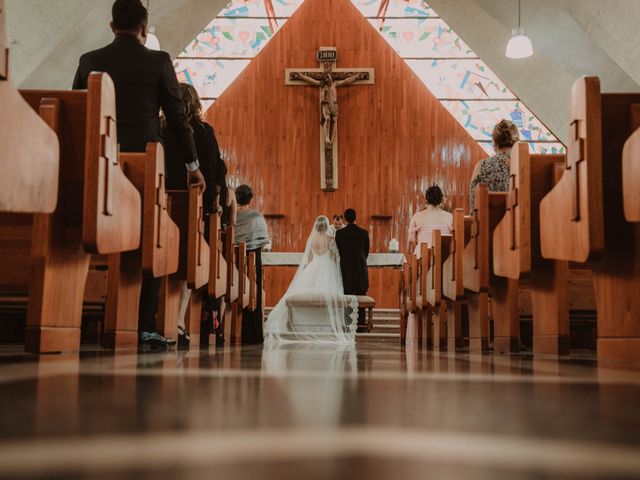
(318, 301)
(448, 327)
(98, 211)
(479, 279)
(158, 253)
(516, 248)
(631, 172)
(582, 219)
(186, 210)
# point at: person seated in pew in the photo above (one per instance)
(253, 230)
(495, 170)
(211, 165)
(424, 222)
(145, 82)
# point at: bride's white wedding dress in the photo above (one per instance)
(315, 307)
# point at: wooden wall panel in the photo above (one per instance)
(394, 137)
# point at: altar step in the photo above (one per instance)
(386, 327)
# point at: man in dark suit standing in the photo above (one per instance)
(353, 245)
(145, 82)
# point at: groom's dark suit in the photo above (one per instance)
(353, 245)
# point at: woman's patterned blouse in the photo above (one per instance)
(494, 171)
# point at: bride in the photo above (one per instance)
(315, 307)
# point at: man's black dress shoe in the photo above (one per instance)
(154, 339)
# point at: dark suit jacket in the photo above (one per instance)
(353, 245)
(145, 81)
(208, 154)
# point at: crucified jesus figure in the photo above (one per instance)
(329, 97)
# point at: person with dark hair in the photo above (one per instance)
(338, 222)
(252, 229)
(433, 217)
(495, 170)
(145, 82)
(214, 170)
(353, 246)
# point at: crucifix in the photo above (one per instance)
(328, 79)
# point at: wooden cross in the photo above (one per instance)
(161, 203)
(574, 157)
(109, 155)
(328, 79)
(512, 203)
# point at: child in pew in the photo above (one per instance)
(212, 167)
(494, 171)
(424, 222)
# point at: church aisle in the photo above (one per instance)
(375, 411)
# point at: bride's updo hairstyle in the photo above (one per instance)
(505, 134)
(434, 195)
(322, 224)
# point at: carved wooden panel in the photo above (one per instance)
(631, 177)
(112, 205)
(571, 215)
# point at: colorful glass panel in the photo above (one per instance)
(460, 78)
(210, 77)
(396, 8)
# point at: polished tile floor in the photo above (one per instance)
(302, 412)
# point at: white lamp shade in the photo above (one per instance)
(152, 42)
(519, 45)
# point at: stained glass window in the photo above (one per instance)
(448, 67)
(215, 58)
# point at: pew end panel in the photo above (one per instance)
(512, 235)
(160, 243)
(198, 253)
(571, 214)
(631, 177)
(253, 290)
(452, 268)
(439, 252)
(617, 276)
(218, 264)
(30, 154)
(112, 204)
(57, 266)
(158, 255)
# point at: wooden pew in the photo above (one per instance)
(98, 211)
(158, 253)
(516, 248)
(218, 263)
(29, 148)
(436, 305)
(417, 294)
(479, 277)
(403, 290)
(582, 217)
(186, 210)
(631, 172)
(449, 325)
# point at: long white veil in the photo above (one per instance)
(315, 308)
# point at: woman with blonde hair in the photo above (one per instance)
(494, 171)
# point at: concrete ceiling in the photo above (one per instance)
(570, 37)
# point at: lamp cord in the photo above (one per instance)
(518, 13)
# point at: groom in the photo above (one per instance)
(353, 245)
